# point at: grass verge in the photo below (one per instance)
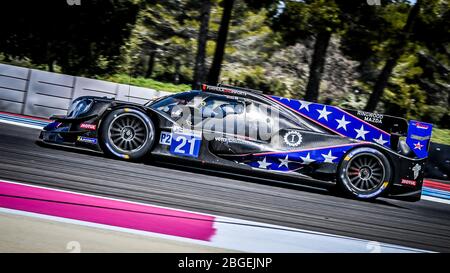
(441, 136)
(148, 83)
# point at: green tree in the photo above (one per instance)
(214, 71)
(159, 38)
(298, 20)
(396, 52)
(200, 66)
(81, 40)
(418, 84)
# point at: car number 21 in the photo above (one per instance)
(185, 145)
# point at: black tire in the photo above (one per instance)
(127, 133)
(364, 173)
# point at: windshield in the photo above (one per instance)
(166, 104)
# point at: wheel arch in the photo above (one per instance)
(386, 153)
(151, 115)
(148, 111)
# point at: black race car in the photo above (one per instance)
(366, 155)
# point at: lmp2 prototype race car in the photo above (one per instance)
(364, 155)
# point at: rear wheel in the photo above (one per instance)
(127, 133)
(364, 173)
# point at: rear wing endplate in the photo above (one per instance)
(418, 138)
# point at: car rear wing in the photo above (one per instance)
(419, 137)
(390, 124)
(418, 134)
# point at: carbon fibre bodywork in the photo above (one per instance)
(308, 147)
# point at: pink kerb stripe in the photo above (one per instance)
(312, 149)
(105, 211)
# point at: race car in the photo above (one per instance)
(363, 155)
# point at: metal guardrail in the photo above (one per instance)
(42, 94)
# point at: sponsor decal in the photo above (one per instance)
(116, 153)
(223, 90)
(421, 138)
(408, 182)
(421, 126)
(88, 126)
(231, 140)
(371, 117)
(416, 169)
(383, 186)
(165, 138)
(186, 131)
(90, 140)
(293, 138)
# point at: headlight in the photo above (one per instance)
(79, 107)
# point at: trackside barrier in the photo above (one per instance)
(42, 94)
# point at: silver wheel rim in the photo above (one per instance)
(128, 133)
(365, 172)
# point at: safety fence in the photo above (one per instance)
(42, 94)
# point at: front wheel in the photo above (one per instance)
(364, 173)
(127, 133)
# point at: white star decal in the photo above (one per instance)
(380, 140)
(264, 164)
(307, 159)
(342, 123)
(323, 113)
(329, 157)
(361, 132)
(284, 162)
(418, 146)
(304, 104)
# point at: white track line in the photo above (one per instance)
(249, 236)
(21, 124)
(435, 199)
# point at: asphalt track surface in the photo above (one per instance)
(423, 224)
